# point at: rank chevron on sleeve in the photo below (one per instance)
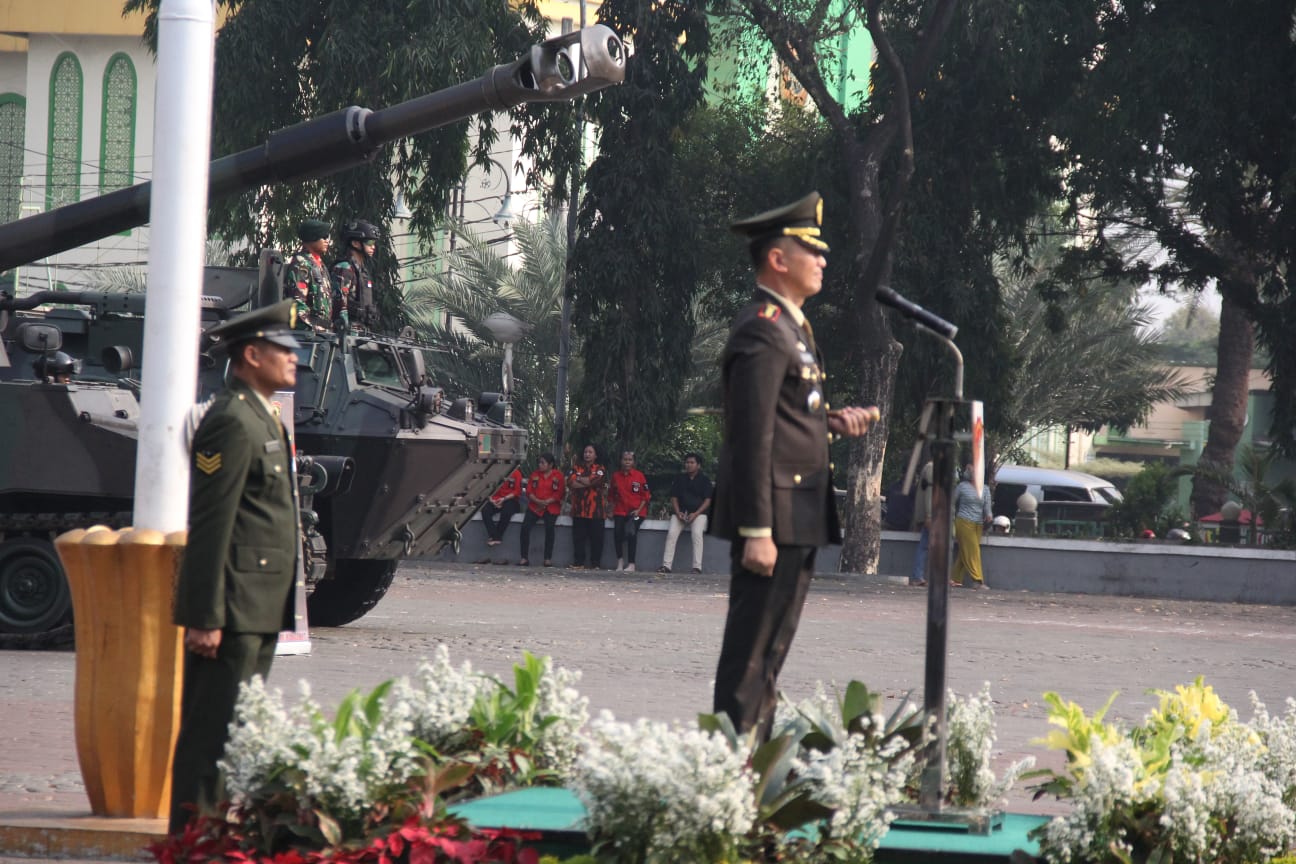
(208, 463)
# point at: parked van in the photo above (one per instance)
(1048, 485)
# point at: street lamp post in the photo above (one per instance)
(564, 326)
(508, 331)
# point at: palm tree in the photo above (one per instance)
(448, 307)
(1088, 353)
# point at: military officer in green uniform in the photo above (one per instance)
(234, 591)
(306, 282)
(774, 490)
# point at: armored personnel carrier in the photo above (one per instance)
(421, 461)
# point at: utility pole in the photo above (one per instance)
(564, 326)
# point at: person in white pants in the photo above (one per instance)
(690, 500)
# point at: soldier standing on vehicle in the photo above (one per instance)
(354, 303)
(774, 492)
(234, 593)
(306, 282)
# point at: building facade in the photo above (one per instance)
(76, 120)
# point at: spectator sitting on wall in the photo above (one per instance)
(690, 499)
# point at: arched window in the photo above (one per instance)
(117, 143)
(63, 160)
(13, 122)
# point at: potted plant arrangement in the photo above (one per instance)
(1191, 783)
(379, 782)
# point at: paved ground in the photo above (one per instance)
(647, 646)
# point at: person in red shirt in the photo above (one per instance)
(502, 507)
(587, 482)
(545, 489)
(630, 497)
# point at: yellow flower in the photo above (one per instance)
(1191, 706)
(1076, 732)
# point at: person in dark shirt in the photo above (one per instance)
(690, 500)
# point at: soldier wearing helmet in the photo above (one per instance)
(353, 287)
(56, 368)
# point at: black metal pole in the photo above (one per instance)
(940, 556)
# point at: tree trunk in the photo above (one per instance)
(1228, 410)
(862, 545)
(877, 355)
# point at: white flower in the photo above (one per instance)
(859, 783)
(560, 742)
(441, 699)
(663, 793)
(970, 739)
(263, 740)
(1110, 783)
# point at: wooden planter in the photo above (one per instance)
(129, 661)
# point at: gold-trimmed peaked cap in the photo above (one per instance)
(274, 324)
(800, 220)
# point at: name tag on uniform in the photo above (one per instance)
(273, 446)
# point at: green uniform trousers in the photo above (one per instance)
(206, 708)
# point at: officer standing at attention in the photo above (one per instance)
(306, 282)
(234, 593)
(353, 288)
(774, 492)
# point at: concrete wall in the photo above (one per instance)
(1143, 569)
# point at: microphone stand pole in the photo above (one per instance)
(940, 421)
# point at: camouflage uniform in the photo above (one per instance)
(308, 285)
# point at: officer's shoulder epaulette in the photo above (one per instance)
(769, 311)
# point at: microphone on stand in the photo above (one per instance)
(918, 314)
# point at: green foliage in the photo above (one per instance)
(508, 728)
(1165, 147)
(1092, 360)
(279, 62)
(1255, 483)
(792, 813)
(984, 171)
(390, 758)
(1190, 336)
(1144, 506)
(449, 303)
(1189, 783)
(636, 263)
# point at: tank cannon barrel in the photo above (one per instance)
(557, 69)
(101, 301)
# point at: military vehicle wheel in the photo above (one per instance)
(34, 593)
(349, 589)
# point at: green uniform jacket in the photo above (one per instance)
(240, 560)
(774, 470)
